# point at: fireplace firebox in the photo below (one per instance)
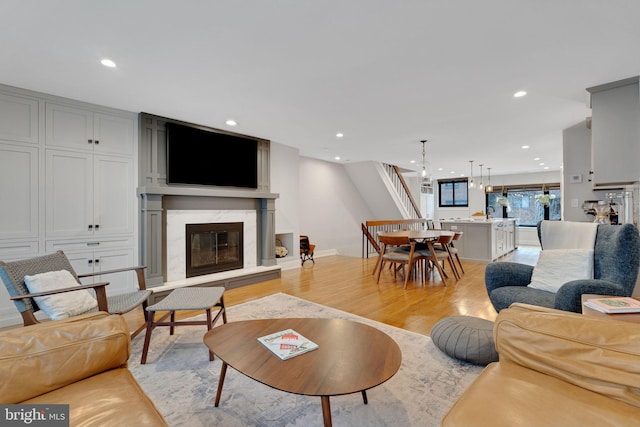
(214, 247)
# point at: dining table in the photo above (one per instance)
(428, 237)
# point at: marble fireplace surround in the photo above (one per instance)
(176, 236)
(165, 210)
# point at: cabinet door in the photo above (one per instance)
(69, 194)
(18, 191)
(69, 127)
(614, 135)
(97, 261)
(113, 134)
(18, 119)
(112, 260)
(114, 195)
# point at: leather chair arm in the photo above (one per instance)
(41, 358)
(597, 354)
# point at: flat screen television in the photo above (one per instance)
(202, 157)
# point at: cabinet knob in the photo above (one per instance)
(90, 262)
(97, 226)
(90, 141)
(97, 261)
(97, 142)
(90, 227)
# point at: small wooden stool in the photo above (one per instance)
(201, 298)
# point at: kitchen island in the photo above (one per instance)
(484, 240)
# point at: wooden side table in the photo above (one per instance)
(625, 317)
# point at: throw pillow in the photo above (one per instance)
(556, 267)
(63, 305)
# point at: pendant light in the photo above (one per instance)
(489, 187)
(481, 186)
(426, 184)
(471, 183)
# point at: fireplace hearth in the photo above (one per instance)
(213, 248)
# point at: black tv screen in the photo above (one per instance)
(203, 157)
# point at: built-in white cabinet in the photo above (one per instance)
(18, 191)
(18, 118)
(104, 260)
(88, 194)
(67, 181)
(615, 132)
(90, 131)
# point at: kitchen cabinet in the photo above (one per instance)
(615, 132)
(87, 130)
(88, 194)
(483, 241)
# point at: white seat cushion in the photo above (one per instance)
(556, 267)
(63, 305)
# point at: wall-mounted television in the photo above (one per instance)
(203, 157)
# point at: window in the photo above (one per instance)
(453, 193)
(521, 203)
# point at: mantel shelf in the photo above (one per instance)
(205, 192)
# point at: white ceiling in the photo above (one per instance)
(387, 74)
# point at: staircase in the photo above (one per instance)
(384, 189)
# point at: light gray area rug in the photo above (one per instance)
(182, 381)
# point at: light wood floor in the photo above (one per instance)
(347, 284)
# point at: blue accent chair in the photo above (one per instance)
(616, 262)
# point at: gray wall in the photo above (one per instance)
(576, 154)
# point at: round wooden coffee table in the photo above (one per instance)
(351, 357)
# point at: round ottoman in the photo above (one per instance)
(466, 338)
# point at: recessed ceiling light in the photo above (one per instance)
(439, 169)
(412, 161)
(524, 147)
(519, 94)
(536, 158)
(108, 63)
(231, 122)
(339, 135)
(337, 157)
(541, 164)
(452, 172)
(546, 167)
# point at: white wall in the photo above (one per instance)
(331, 208)
(284, 178)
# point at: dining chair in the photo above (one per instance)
(391, 254)
(454, 251)
(436, 258)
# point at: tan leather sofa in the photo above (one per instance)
(556, 369)
(82, 362)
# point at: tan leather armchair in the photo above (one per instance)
(556, 368)
(80, 361)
